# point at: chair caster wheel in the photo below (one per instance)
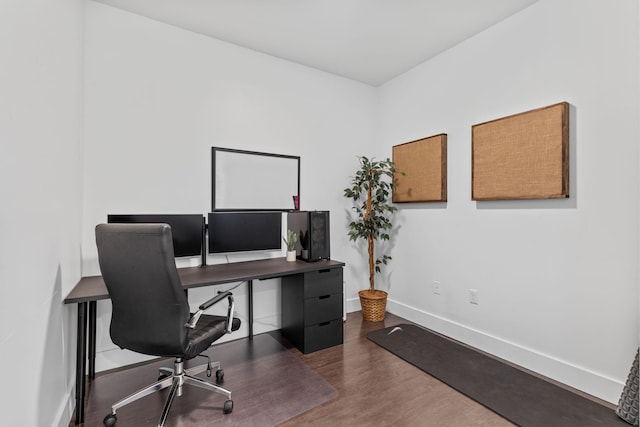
(228, 407)
(110, 420)
(220, 378)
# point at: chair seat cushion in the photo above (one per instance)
(208, 329)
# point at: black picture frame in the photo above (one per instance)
(243, 180)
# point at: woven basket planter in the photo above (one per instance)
(374, 305)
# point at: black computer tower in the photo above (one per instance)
(312, 228)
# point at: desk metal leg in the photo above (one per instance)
(250, 297)
(92, 339)
(81, 361)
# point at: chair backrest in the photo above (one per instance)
(150, 308)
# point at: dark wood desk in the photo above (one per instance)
(91, 289)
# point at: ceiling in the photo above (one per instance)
(371, 41)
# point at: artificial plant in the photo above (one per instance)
(370, 192)
(290, 240)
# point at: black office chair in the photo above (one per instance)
(151, 312)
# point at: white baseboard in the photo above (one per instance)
(65, 413)
(592, 383)
(352, 304)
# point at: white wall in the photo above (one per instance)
(157, 99)
(557, 279)
(40, 189)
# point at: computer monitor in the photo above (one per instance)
(187, 230)
(244, 231)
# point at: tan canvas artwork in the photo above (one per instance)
(524, 156)
(422, 167)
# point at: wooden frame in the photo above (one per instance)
(523, 156)
(421, 167)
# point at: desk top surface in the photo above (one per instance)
(92, 288)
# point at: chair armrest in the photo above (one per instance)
(214, 300)
(204, 306)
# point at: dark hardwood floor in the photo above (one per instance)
(374, 387)
(377, 388)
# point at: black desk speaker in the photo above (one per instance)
(312, 228)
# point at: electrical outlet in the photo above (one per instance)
(436, 287)
(473, 296)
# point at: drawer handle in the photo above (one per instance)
(324, 323)
(326, 270)
(324, 297)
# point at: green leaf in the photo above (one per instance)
(377, 176)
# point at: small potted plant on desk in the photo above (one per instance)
(290, 241)
(370, 193)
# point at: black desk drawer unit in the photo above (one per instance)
(312, 306)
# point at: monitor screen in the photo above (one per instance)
(186, 229)
(244, 231)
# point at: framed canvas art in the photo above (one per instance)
(523, 156)
(421, 167)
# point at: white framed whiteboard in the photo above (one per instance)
(251, 180)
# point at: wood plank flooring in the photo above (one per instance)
(374, 387)
(377, 388)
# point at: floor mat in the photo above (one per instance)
(520, 397)
(262, 375)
